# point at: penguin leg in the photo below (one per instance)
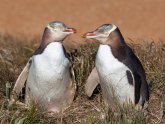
(138, 107)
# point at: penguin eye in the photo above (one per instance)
(55, 29)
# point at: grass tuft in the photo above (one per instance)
(15, 52)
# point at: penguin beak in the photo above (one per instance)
(90, 35)
(70, 31)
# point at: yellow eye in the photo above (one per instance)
(55, 29)
(106, 33)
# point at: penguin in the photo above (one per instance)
(117, 69)
(48, 73)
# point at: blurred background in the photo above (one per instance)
(137, 19)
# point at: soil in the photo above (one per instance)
(143, 19)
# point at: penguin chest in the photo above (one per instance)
(49, 76)
(113, 75)
(48, 72)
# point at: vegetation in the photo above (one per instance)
(14, 53)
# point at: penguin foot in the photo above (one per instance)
(54, 110)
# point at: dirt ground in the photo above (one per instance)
(143, 19)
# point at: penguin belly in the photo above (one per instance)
(112, 73)
(49, 82)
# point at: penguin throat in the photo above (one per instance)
(49, 37)
(46, 40)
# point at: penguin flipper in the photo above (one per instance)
(20, 81)
(91, 83)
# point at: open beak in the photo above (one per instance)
(70, 31)
(90, 35)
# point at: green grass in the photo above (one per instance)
(15, 52)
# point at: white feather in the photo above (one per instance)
(112, 73)
(49, 76)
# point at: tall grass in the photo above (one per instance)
(14, 53)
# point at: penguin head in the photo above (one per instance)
(102, 33)
(59, 31)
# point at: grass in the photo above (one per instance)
(15, 52)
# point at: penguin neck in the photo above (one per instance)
(47, 38)
(117, 44)
(116, 39)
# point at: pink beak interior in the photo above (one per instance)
(70, 30)
(89, 34)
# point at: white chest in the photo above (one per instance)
(113, 73)
(53, 54)
(50, 66)
(49, 80)
(107, 64)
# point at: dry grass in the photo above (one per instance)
(14, 54)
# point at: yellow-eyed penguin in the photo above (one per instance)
(48, 72)
(118, 70)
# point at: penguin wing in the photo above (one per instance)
(21, 79)
(91, 83)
